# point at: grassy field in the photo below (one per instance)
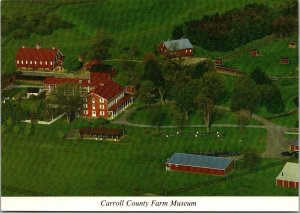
(43, 164)
(143, 115)
(141, 22)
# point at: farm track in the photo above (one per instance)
(275, 139)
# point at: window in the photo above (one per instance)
(85, 112)
(101, 112)
(93, 100)
(86, 100)
(94, 113)
(101, 106)
(93, 106)
(30, 62)
(89, 81)
(26, 62)
(50, 62)
(46, 62)
(22, 62)
(190, 51)
(41, 62)
(101, 100)
(85, 105)
(34, 62)
(17, 61)
(80, 81)
(186, 51)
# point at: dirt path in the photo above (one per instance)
(275, 139)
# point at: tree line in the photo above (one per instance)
(236, 27)
(22, 26)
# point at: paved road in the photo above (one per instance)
(275, 139)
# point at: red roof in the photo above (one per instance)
(41, 54)
(107, 89)
(119, 103)
(91, 63)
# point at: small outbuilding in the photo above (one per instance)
(292, 44)
(130, 90)
(32, 91)
(199, 164)
(176, 48)
(285, 61)
(218, 61)
(100, 133)
(295, 146)
(289, 176)
(254, 53)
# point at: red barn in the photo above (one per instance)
(295, 146)
(254, 53)
(285, 61)
(289, 176)
(176, 48)
(199, 164)
(218, 61)
(42, 59)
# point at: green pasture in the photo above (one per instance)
(45, 164)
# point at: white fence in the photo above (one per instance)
(45, 122)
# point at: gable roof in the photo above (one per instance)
(41, 54)
(107, 89)
(199, 160)
(289, 172)
(179, 44)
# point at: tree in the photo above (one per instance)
(250, 160)
(67, 98)
(178, 116)
(245, 95)
(178, 32)
(260, 76)
(185, 96)
(100, 46)
(203, 67)
(72, 63)
(284, 26)
(157, 117)
(145, 92)
(271, 98)
(212, 91)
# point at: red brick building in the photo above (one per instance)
(103, 97)
(199, 164)
(39, 59)
(176, 48)
(289, 176)
(285, 61)
(254, 53)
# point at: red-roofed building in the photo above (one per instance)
(103, 97)
(39, 59)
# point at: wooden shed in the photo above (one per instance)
(295, 146)
(292, 44)
(199, 164)
(218, 61)
(289, 176)
(285, 61)
(100, 133)
(254, 53)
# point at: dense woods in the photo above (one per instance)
(234, 28)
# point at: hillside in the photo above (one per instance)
(142, 23)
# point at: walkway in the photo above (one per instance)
(275, 139)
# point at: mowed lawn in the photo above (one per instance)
(45, 165)
(143, 23)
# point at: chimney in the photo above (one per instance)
(37, 46)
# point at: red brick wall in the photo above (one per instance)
(178, 53)
(285, 183)
(96, 105)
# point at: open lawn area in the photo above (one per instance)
(45, 164)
